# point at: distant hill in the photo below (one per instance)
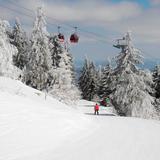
(148, 64)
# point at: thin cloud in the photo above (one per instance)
(114, 17)
(84, 11)
(155, 2)
(145, 26)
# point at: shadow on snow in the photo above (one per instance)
(100, 114)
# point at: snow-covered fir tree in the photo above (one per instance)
(131, 87)
(88, 80)
(72, 67)
(20, 40)
(7, 50)
(103, 90)
(39, 71)
(156, 80)
(64, 88)
(56, 49)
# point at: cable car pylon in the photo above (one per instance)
(122, 43)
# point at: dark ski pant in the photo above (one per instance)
(96, 112)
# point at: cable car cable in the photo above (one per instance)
(69, 26)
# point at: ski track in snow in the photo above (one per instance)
(32, 128)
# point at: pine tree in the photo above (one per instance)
(104, 82)
(56, 49)
(72, 68)
(20, 40)
(64, 88)
(7, 51)
(57, 52)
(64, 75)
(156, 80)
(39, 72)
(130, 86)
(88, 80)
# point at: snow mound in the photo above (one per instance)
(17, 88)
(30, 124)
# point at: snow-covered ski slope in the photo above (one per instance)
(32, 128)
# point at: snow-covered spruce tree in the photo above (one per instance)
(88, 80)
(7, 51)
(96, 77)
(56, 49)
(103, 90)
(156, 80)
(20, 40)
(38, 72)
(64, 88)
(130, 86)
(72, 67)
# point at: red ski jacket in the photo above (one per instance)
(96, 107)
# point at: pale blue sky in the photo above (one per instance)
(144, 3)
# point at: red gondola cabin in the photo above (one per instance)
(74, 38)
(61, 37)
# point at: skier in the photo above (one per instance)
(96, 109)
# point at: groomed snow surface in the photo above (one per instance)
(32, 128)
